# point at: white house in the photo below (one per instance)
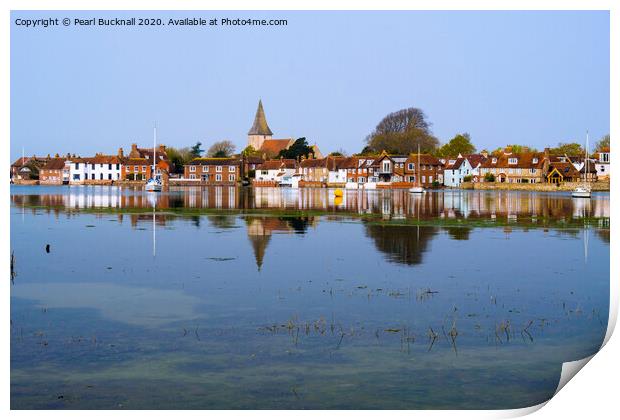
(602, 164)
(278, 171)
(456, 169)
(100, 168)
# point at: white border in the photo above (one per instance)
(592, 395)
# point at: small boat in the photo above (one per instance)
(584, 191)
(153, 185)
(417, 189)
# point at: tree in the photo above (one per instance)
(196, 150)
(339, 152)
(460, 144)
(224, 148)
(250, 151)
(402, 132)
(569, 149)
(179, 157)
(489, 177)
(298, 149)
(603, 143)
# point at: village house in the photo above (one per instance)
(275, 172)
(602, 163)
(560, 171)
(55, 172)
(357, 170)
(431, 170)
(27, 168)
(509, 167)
(390, 168)
(138, 165)
(213, 171)
(317, 171)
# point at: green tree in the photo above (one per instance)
(179, 157)
(401, 132)
(250, 151)
(196, 151)
(603, 143)
(298, 149)
(569, 149)
(489, 177)
(459, 144)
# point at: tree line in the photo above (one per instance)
(402, 132)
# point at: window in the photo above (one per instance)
(192, 169)
(109, 166)
(411, 166)
(535, 160)
(430, 179)
(231, 177)
(205, 168)
(218, 177)
(110, 176)
(118, 166)
(100, 176)
(493, 160)
(92, 166)
(423, 179)
(101, 165)
(218, 169)
(92, 176)
(512, 161)
(192, 176)
(231, 169)
(77, 166)
(135, 169)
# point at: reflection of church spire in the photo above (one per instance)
(259, 244)
(259, 238)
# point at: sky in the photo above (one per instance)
(534, 78)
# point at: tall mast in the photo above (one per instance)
(154, 142)
(587, 145)
(419, 164)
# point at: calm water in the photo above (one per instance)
(290, 299)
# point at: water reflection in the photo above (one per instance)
(392, 204)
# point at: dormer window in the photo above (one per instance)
(494, 160)
(512, 161)
(535, 160)
(451, 161)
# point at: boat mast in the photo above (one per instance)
(154, 141)
(586, 162)
(418, 165)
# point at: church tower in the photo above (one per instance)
(260, 131)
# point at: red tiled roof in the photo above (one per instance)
(215, 161)
(277, 164)
(273, 146)
(54, 164)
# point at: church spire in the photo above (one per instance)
(260, 126)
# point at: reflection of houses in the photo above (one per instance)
(401, 244)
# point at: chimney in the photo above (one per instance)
(134, 150)
(120, 152)
(485, 154)
(56, 155)
(162, 148)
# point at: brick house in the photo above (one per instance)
(214, 171)
(55, 172)
(520, 168)
(430, 170)
(138, 165)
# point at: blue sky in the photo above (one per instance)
(534, 78)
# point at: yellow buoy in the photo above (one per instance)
(338, 192)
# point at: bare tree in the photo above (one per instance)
(401, 132)
(222, 148)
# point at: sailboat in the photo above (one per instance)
(154, 183)
(584, 191)
(417, 189)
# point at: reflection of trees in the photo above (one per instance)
(459, 233)
(402, 244)
(260, 229)
(603, 234)
(222, 221)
